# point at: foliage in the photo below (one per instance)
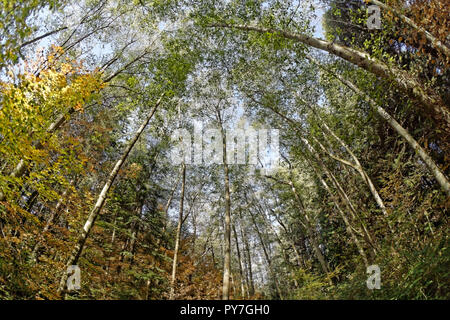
(350, 190)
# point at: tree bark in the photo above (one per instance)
(357, 166)
(339, 188)
(310, 231)
(241, 272)
(248, 260)
(344, 198)
(283, 246)
(410, 85)
(344, 218)
(53, 215)
(166, 213)
(432, 166)
(266, 256)
(178, 234)
(227, 234)
(78, 249)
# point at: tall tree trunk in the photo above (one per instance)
(356, 165)
(241, 272)
(248, 259)
(348, 227)
(135, 234)
(227, 233)
(178, 234)
(406, 82)
(164, 228)
(339, 188)
(113, 238)
(283, 246)
(78, 249)
(194, 234)
(345, 199)
(166, 212)
(266, 256)
(310, 230)
(291, 242)
(432, 166)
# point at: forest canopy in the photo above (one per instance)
(258, 149)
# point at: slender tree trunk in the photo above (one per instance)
(404, 81)
(194, 233)
(129, 244)
(113, 238)
(178, 234)
(357, 166)
(344, 218)
(291, 242)
(164, 228)
(123, 249)
(291, 268)
(135, 234)
(248, 260)
(341, 192)
(434, 169)
(20, 168)
(310, 231)
(227, 234)
(343, 196)
(266, 256)
(78, 249)
(233, 284)
(241, 272)
(365, 178)
(213, 255)
(166, 213)
(283, 247)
